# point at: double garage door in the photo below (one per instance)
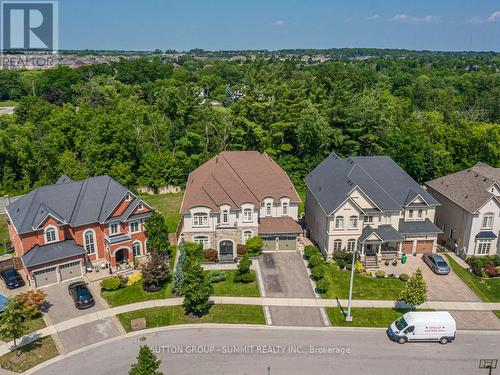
(422, 246)
(54, 274)
(281, 243)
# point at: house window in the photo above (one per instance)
(487, 221)
(89, 242)
(284, 208)
(136, 249)
(203, 240)
(420, 213)
(268, 209)
(134, 227)
(410, 214)
(247, 215)
(114, 228)
(50, 235)
(483, 247)
(128, 197)
(337, 245)
(386, 219)
(225, 217)
(353, 222)
(369, 219)
(351, 244)
(339, 222)
(247, 235)
(141, 207)
(200, 220)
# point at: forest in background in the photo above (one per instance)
(147, 122)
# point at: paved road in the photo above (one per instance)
(370, 352)
(284, 275)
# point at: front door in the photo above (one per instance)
(370, 249)
(226, 250)
(121, 256)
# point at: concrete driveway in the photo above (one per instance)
(61, 308)
(284, 275)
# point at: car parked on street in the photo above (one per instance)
(81, 295)
(12, 278)
(436, 263)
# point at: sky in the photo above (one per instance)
(257, 24)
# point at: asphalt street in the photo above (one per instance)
(238, 351)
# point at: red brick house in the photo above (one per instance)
(58, 230)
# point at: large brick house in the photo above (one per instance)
(58, 230)
(237, 195)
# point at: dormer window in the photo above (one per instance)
(225, 216)
(50, 235)
(200, 220)
(369, 219)
(247, 215)
(114, 228)
(140, 207)
(269, 207)
(284, 208)
(420, 214)
(410, 214)
(128, 197)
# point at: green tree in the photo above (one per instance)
(197, 289)
(157, 232)
(415, 290)
(254, 244)
(155, 273)
(147, 363)
(11, 322)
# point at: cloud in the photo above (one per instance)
(475, 19)
(405, 18)
(374, 17)
(279, 23)
(495, 16)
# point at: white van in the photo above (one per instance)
(423, 326)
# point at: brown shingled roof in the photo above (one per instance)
(468, 188)
(237, 177)
(279, 225)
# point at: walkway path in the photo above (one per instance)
(261, 301)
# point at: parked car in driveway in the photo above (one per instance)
(436, 263)
(12, 278)
(81, 295)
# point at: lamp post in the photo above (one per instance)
(348, 317)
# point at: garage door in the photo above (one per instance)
(45, 277)
(407, 247)
(269, 244)
(287, 243)
(70, 270)
(424, 246)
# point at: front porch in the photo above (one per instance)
(381, 243)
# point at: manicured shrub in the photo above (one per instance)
(415, 291)
(217, 276)
(358, 267)
(341, 263)
(244, 265)
(404, 277)
(348, 266)
(211, 255)
(322, 285)
(241, 249)
(318, 272)
(380, 274)
(316, 260)
(310, 250)
(193, 250)
(490, 270)
(111, 283)
(243, 275)
(244, 278)
(254, 245)
(134, 279)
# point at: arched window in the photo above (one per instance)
(201, 240)
(269, 207)
(200, 220)
(247, 215)
(136, 249)
(247, 235)
(50, 234)
(284, 208)
(487, 221)
(337, 245)
(225, 216)
(339, 222)
(89, 242)
(351, 244)
(353, 222)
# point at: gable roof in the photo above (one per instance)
(468, 188)
(237, 177)
(379, 177)
(73, 202)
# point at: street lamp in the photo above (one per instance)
(348, 317)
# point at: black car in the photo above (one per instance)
(12, 278)
(81, 295)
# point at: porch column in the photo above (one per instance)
(362, 249)
(400, 251)
(379, 249)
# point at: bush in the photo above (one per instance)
(111, 283)
(404, 277)
(341, 263)
(254, 245)
(348, 266)
(244, 278)
(217, 276)
(322, 285)
(490, 270)
(316, 260)
(193, 250)
(310, 250)
(134, 279)
(211, 255)
(244, 265)
(318, 272)
(241, 249)
(358, 267)
(380, 274)
(31, 302)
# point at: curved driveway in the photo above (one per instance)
(271, 350)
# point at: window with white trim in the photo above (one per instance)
(136, 249)
(200, 220)
(247, 215)
(128, 197)
(353, 222)
(134, 227)
(201, 240)
(420, 213)
(284, 208)
(114, 228)
(487, 222)
(247, 235)
(269, 207)
(369, 219)
(339, 222)
(410, 214)
(89, 242)
(50, 235)
(483, 247)
(351, 245)
(337, 245)
(225, 216)
(386, 219)
(140, 207)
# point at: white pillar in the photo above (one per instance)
(400, 248)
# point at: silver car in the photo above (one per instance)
(437, 263)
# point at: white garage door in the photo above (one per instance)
(46, 276)
(269, 244)
(70, 270)
(287, 243)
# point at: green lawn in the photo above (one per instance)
(497, 313)
(32, 354)
(168, 205)
(8, 103)
(30, 325)
(229, 288)
(302, 205)
(365, 287)
(4, 233)
(488, 290)
(364, 317)
(165, 316)
(134, 293)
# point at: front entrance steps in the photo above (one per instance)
(371, 261)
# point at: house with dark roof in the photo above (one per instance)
(369, 204)
(237, 195)
(58, 230)
(469, 215)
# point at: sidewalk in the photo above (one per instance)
(261, 301)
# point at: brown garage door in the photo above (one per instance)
(424, 246)
(407, 247)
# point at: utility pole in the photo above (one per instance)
(348, 317)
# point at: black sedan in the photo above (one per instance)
(81, 295)
(12, 278)
(437, 264)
